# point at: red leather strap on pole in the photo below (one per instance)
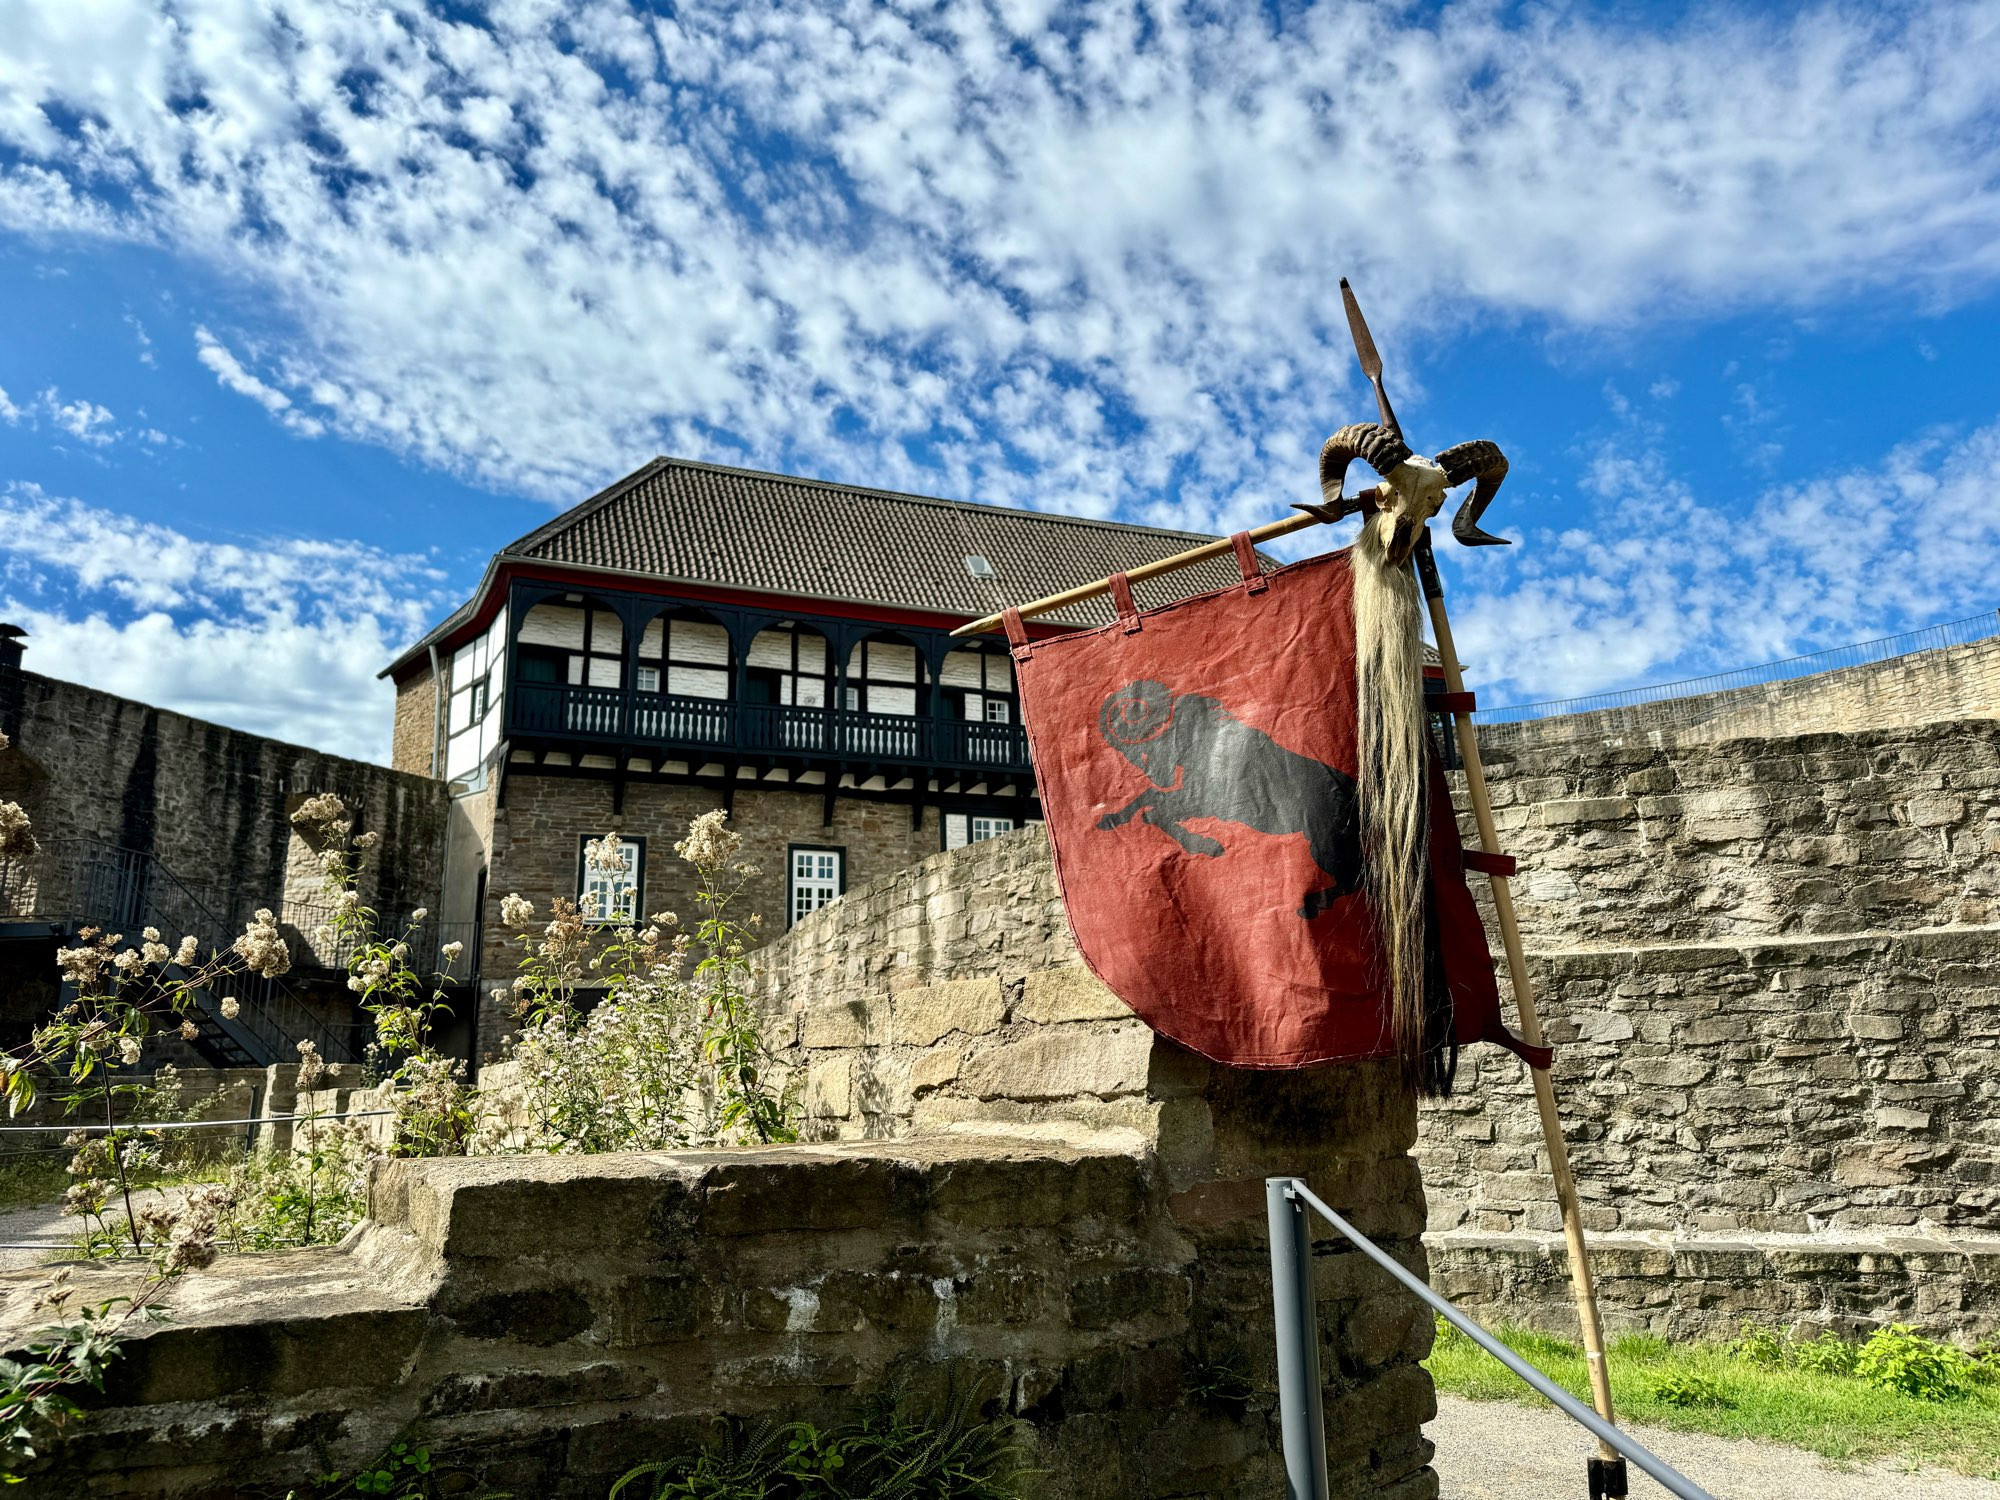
(1246, 562)
(1121, 596)
(1489, 864)
(1451, 703)
(1017, 633)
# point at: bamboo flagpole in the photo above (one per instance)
(1607, 1470)
(1581, 1282)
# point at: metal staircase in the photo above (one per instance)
(73, 883)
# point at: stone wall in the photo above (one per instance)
(1018, 1189)
(211, 804)
(536, 836)
(1818, 834)
(1772, 969)
(1924, 687)
(416, 736)
(551, 1322)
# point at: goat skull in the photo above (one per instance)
(1412, 488)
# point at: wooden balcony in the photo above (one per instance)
(684, 728)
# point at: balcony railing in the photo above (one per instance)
(565, 711)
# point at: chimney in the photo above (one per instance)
(11, 695)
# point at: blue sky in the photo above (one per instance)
(306, 308)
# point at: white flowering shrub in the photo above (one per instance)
(673, 1054)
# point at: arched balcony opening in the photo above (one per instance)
(682, 675)
(979, 709)
(884, 698)
(569, 667)
(787, 689)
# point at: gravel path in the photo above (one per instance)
(1500, 1450)
(45, 1225)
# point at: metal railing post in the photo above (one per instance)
(1301, 1399)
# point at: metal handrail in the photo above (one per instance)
(1301, 1411)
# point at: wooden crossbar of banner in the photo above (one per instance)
(1187, 559)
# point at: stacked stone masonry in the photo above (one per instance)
(1772, 971)
(536, 839)
(1018, 1190)
(212, 804)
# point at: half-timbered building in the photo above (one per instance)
(696, 636)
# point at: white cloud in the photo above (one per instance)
(1662, 582)
(281, 636)
(146, 355)
(9, 412)
(83, 420)
(1075, 257)
(230, 373)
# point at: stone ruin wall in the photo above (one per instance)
(1771, 965)
(1016, 1190)
(1773, 969)
(211, 804)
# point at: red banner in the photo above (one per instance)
(1196, 765)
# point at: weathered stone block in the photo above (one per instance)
(1052, 996)
(931, 1012)
(1045, 1065)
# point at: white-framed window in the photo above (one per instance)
(647, 679)
(999, 711)
(961, 829)
(610, 895)
(816, 876)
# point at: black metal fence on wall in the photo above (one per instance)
(1862, 653)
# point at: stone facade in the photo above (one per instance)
(1772, 969)
(535, 843)
(1815, 835)
(1923, 687)
(413, 742)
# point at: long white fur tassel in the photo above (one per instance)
(1388, 661)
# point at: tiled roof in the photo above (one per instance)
(687, 522)
(738, 528)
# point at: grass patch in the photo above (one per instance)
(1794, 1394)
(28, 1180)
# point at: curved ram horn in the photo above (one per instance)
(1484, 462)
(1372, 443)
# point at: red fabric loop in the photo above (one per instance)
(1450, 703)
(1246, 562)
(1489, 864)
(1017, 633)
(1121, 596)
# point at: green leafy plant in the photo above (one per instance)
(1687, 1388)
(1758, 1344)
(1898, 1358)
(38, 1394)
(405, 1470)
(1829, 1354)
(888, 1453)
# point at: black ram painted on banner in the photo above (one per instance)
(1204, 762)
